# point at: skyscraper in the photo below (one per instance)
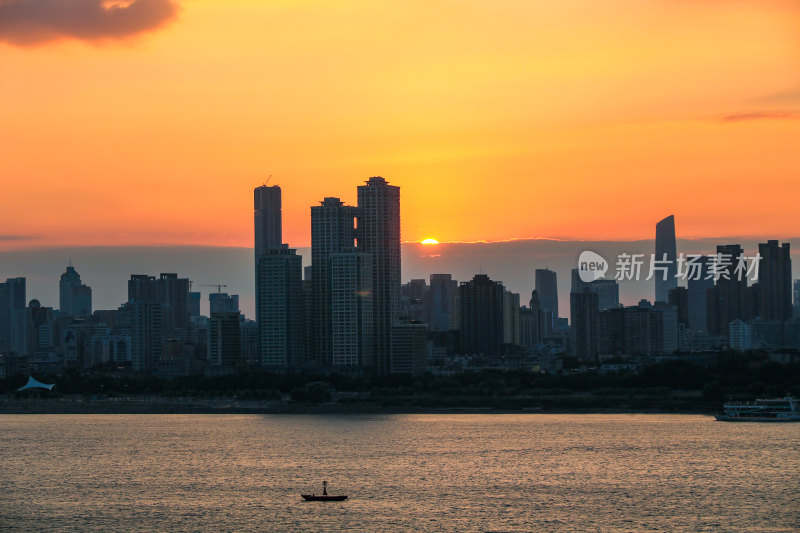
(279, 307)
(727, 300)
(13, 321)
(481, 307)
(224, 338)
(171, 293)
(510, 317)
(583, 310)
(797, 298)
(268, 232)
(378, 233)
(332, 232)
(75, 298)
(546, 286)
(147, 335)
(666, 251)
(439, 296)
(698, 285)
(351, 309)
(775, 281)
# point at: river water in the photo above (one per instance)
(463, 472)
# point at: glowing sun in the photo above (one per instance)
(430, 241)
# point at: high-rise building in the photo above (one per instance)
(698, 285)
(481, 305)
(546, 286)
(797, 298)
(510, 317)
(268, 231)
(439, 296)
(332, 232)
(583, 310)
(279, 307)
(607, 290)
(637, 330)
(13, 316)
(351, 309)
(532, 328)
(224, 338)
(168, 291)
(194, 303)
(147, 334)
(378, 233)
(727, 301)
(740, 335)
(75, 298)
(222, 302)
(679, 299)
(775, 281)
(666, 250)
(409, 351)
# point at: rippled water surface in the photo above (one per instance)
(463, 472)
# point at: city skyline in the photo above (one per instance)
(535, 256)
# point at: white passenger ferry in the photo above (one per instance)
(763, 410)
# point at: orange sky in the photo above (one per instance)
(576, 119)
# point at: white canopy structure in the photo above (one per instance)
(33, 384)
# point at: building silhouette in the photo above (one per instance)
(378, 234)
(481, 302)
(171, 293)
(775, 281)
(224, 338)
(75, 298)
(532, 322)
(679, 300)
(637, 330)
(546, 286)
(607, 290)
(279, 307)
(698, 285)
(511, 318)
(351, 311)
(409, 352)
(583, 309)
(222, 302)
(332, 232)
(439, 298)
(797, 298)
(268, 231)
(666, 250)
(728, 299)
(147, 334)
(13, 332)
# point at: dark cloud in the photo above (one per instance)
(6, 238)
(31, 22)
(763, 115)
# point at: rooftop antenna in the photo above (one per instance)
(269, 178)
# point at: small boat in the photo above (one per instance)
(324, 497)
(762, 410)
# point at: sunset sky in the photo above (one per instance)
(572, 119)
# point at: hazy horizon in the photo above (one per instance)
(107, 268)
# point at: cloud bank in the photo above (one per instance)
(763, 115)
(32, 22)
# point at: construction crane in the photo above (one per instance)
(218, 286)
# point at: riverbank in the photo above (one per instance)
(145, 405)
